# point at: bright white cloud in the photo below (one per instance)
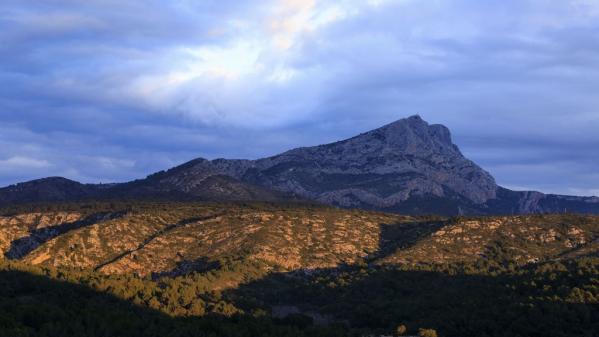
(243, 81)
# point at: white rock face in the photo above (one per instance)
(377, 169)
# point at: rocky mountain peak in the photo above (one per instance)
(380, 169)
(413, 135)
(407, 166)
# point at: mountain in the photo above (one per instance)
(184, 183)
(391, 168)
(174, 184)
(53, 189)
(407, 166)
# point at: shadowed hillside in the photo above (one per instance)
(552, 299)
(289, 266)
(36, 305)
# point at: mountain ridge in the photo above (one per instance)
(390, 150)
(407, 166)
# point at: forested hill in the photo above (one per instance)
(231, 269)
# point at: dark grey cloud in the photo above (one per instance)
(114, 90)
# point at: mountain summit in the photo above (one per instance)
(379, 169)
(406, 166)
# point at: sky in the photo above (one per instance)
(112, 90)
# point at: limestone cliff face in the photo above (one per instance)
(379, 169)
(408, 166)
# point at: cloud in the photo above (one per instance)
(112, 90)
(15, 163)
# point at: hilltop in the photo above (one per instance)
(171, 238)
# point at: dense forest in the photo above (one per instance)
(551, 299)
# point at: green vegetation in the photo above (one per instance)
(551, 299)
(36, 305)
(557, 298)
(230, 275)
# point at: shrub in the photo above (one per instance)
(401, 330)
(427, 333)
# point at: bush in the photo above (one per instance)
(427, 333)
(401, 330)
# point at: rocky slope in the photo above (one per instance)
(361, 273)
(407, 166)
(379, 169)
(156, 239)
(172, 239)
(520, 239)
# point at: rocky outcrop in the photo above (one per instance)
(521, 239)
(38, 236)
(19, 227)
(181, 237)
(187, 237)
(380, 169)
(377, 169)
